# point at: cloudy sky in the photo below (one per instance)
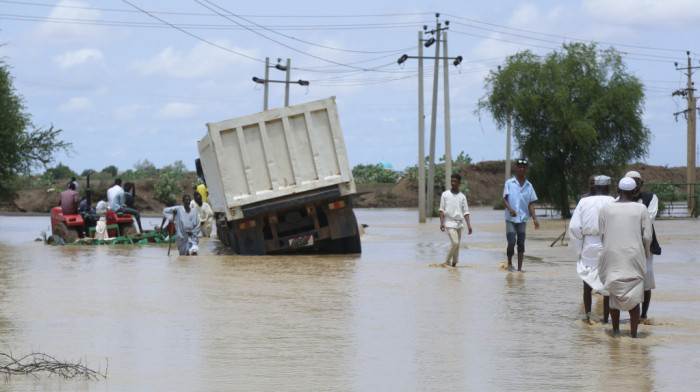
(139, 79)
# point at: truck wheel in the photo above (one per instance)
(222, 233)
(352, 244)
(127, 229)
(233, 242)
(68, 234)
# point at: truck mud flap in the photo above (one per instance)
(250, 242)
(342, 223)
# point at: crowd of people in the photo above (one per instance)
(186, 222)
(614, 239)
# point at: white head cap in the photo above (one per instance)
(627, 184)
(602, 180)
(633, 174)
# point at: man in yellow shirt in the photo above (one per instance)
(202, 190)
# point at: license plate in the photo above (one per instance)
(300, 242)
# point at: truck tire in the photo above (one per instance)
(69, 235)
(352, 244)
(233, 242)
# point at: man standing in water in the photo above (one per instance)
(652, 202)
(453, 206)
(206, 215)
(518, 197)
(625, 230)
(186, 222)
(585, 237)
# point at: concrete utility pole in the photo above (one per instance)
(508, 147)
(690, 116)
(433, 126)
(287, 82)
(421, 134)
(448, 136)
(423, 207)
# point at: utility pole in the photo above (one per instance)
(448, 136)
(421, 134)
(433, 125)
(690, 114)
(423, 207)
(287, 82)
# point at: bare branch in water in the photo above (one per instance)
(36, 364)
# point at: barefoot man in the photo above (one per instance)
(625, 230)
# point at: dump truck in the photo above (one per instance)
(279, 181)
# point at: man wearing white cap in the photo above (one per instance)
(585, 237)
(652, 202)
(625, 229)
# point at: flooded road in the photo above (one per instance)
(381, 321)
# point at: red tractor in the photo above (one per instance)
(74, 226)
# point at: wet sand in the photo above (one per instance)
(383, 320)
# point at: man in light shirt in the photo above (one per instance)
(454, 211)
(518, 198)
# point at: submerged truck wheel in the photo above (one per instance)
(352, 244)
(68, 235)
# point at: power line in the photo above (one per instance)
(192, 35)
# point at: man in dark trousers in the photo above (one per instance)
(518, 197)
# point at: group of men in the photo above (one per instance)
(188, 221)
(518, 198)
(615, 242)
(614, 239)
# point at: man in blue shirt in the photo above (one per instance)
(119, 205)
(518, 197)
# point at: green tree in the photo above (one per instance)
(85, 172)
(574, 112)
(374, 174)
(177, 169)
(145, 168)
(166, 189)
(59, 172)
(23, 146)
(111, 169)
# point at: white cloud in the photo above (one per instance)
(525, 15)
(76, 104)
(176, 111)
(78, 57)
(644, 13)
(78, 13)
(203, 60)
(128, 112)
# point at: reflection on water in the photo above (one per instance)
(383, 320)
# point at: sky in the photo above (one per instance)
(136, 80)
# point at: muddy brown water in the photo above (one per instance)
(381, 321)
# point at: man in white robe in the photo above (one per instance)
(186, 222)
(206, 215)
(626, 234)
(585, 237)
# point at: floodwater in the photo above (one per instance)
(381, 321)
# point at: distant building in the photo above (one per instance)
(386, 164)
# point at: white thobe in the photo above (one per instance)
(206, 217)
(626, 235)
(585, 237)
(187, 227)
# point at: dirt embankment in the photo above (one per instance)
(485, 185)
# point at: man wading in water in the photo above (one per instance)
(453, 206)
(625, 230)
(186, 222)
(518, 197)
